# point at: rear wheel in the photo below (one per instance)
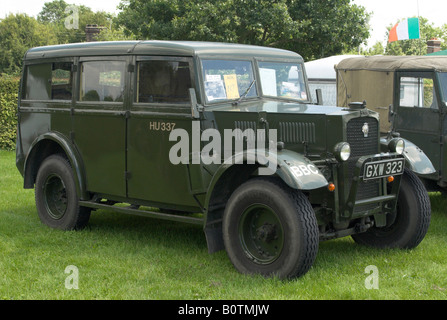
(270, 229)
(408, 226)
(56, 198)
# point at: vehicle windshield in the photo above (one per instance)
(284, 80)
(443, 83)
(228, 79)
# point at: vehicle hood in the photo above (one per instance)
(272, 106)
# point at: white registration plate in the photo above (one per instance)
(383, 168)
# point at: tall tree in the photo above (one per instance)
(56, 13)
(313, 28)
(329, 27)
(18, 33)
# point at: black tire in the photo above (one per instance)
(270, 229)
(409, 225)
(56, 199)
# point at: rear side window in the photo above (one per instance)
(61, 81)
(48, 81)
(163, 81)
(102, 81)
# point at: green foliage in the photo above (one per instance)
(122, 257)
(8, 112)
(55, 14)
(314, 28)
(328, 27)
(18, 33)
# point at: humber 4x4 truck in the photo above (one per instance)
(220, 135)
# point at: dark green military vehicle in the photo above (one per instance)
(410, 93)
(219, 135)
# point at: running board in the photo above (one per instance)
(143, 213)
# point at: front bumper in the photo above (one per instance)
(370, 171)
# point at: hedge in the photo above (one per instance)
(8, 111)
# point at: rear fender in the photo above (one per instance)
(39, 149)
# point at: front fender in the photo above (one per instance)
(294, 169)
(298, 171)
(415, 159)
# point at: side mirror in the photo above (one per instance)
(390, 113)
(319, 95)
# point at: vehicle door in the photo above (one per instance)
(442, 81)
(99, 122)
(160, 105)
(417, 116)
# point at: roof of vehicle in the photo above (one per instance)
(323, 69)
(392, 63)
(155, 47)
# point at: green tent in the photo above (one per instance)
(439, 53)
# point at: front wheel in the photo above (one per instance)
(56, 199)
(270, 229)
(408, 226)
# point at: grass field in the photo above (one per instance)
(124, 257)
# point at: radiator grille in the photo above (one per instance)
(243, 126)
(297, 132)
(361, 146)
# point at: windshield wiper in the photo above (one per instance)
(246, 92)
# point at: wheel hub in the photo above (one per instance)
(55, 197)
(261, 234)
(266, 232)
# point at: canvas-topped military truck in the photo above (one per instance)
(410, 93)
(218, 135)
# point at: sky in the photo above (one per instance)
(388, 12)
(383, 12)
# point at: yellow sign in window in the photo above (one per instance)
(231, 86)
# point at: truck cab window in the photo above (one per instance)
(443, 84)
(37, 78)
(48, 81)
(61, 81)
(102, 81)
(417, 92)
(163, 81)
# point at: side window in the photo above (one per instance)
(48, 81)
(102, 81)
(61, 81)
(37, 85)
(417, 92)
(163, 81)
(443, 83)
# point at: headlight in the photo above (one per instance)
(342, 151)
(396, 145)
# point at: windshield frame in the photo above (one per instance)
(257, 86)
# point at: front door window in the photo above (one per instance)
(417, 92)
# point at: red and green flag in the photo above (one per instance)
(405, 30)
